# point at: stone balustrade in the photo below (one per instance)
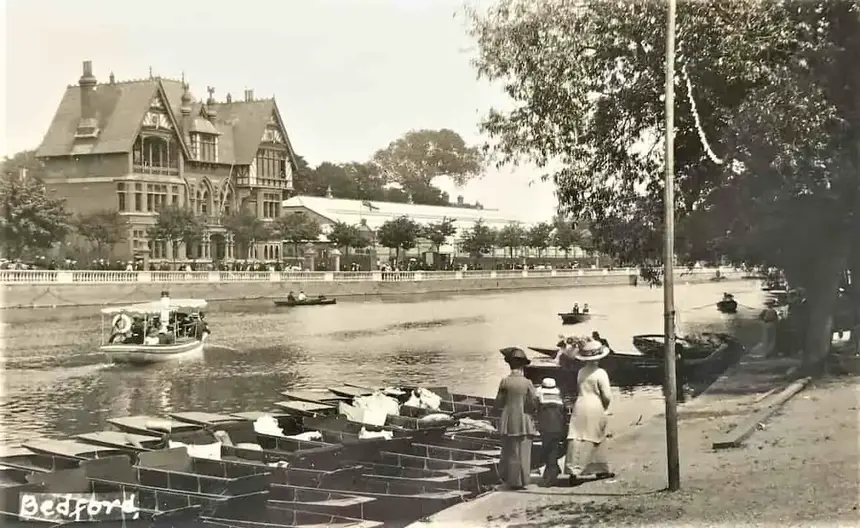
(81, 277)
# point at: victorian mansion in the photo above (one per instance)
(137, 145)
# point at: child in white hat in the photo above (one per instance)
(552, 428)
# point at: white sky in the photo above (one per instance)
(349, 76)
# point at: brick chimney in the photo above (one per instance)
(88, 125)
(249, 96)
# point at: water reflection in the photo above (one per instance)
(56, 382)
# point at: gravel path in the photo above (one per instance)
(799, 469)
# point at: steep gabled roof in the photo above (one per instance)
(119, 110)
(246, 121)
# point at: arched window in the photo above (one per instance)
(204, 206)
(198, 201)
(224, 201)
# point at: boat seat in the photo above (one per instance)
(175, 459)
(115, 468)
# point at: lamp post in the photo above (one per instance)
(669, 383)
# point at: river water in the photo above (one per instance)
(56, 383)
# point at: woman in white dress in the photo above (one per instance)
(586, 434)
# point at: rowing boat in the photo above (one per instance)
(572, 318)
(727, 306)
(630, 369)
(318, 301)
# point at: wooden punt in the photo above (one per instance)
(236, 461)
(10, 500)
(73, 450)
(340, 429)
(29, 461)
(277, 516)
(453, 403)
(389, 507)
(151, 425)
(117, 473)
(357, 451)
(319, 500)
(315, 396)
(306, 408)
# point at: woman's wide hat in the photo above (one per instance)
(591, 351)
(515, 354)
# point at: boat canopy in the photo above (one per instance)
(155, 307)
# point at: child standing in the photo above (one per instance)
(552, 428)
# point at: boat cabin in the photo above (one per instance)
(161, 322)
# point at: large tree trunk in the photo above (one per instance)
(822, 292)
(854, 268)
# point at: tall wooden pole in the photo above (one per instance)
(669, 384)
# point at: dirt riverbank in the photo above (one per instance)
(799, 469)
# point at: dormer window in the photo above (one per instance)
(204, 147)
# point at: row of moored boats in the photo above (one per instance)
(343, 456)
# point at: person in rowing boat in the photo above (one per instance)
(291, 297)
(302, 296)
(519, 401)
(585, 308)
(586, 434)
(575, 310)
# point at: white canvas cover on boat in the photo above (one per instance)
(155, 307)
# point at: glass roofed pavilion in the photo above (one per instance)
(373, 214)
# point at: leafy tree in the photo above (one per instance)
(418, 157)
(246, 229)
(103, 229)
(347, 236)
(568, 234)
(176, 223)
(512, 237)
(26, 159)
(296, 228)
(31, 219)
(478, 240)
(399, 234)
(303, 177)
(767, 127)
(438, 232)
(538, 237)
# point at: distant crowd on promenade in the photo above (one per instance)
(412, 264)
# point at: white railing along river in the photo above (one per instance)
(178, 277)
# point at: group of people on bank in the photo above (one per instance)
(528, 412)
